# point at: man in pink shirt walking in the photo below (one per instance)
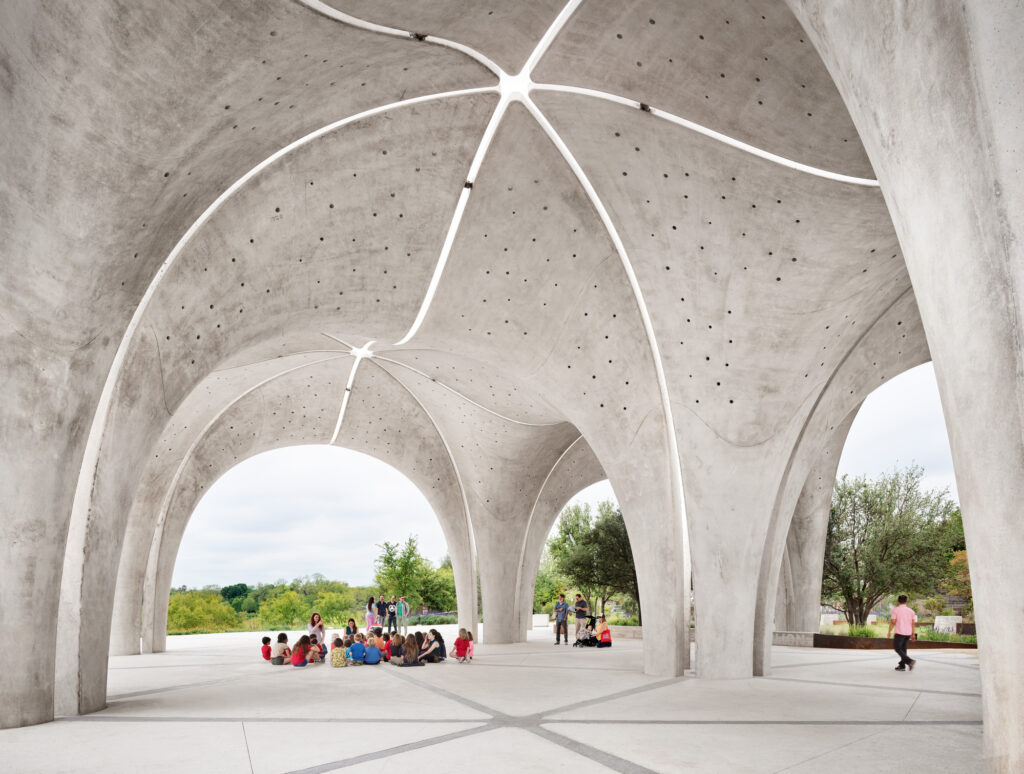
(902, 619)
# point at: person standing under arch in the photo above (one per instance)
(370, 618)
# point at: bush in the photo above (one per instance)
(933, 636)
(201, 610)
(432, 619)
(618, 621)
(861, 631)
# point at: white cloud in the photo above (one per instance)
(300, 510)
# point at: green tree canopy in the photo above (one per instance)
(402, 571)
(594, 555)
(200, 610)
(288, 610)
(884, 536)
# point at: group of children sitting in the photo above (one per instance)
(416, 649)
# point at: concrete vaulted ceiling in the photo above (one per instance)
(510, 249)
(618, 249)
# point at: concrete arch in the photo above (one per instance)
(894, 343)
(247, 428)
(709, 246)
(575, 470)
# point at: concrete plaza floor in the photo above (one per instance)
(210, 704)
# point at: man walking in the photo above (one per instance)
(581, 614)
(561, 614)
(403, 611)
(902, 619)
(392, 615)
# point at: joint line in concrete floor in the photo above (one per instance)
(391, 751)
(248, 752)
(613, 762)
(871, 687)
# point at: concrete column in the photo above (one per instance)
(576, 469)
(934, 93)
(805, 545)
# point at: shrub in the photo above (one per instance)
(200, 610)
(934, 636)
(619, 621)
(861, 631)
(433, 619)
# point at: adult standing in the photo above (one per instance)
(370, 616)
(403, 614)
(315, 629)
(902, 619)
(392, 615)
(382, 610)
(561, 622)
(582, 609)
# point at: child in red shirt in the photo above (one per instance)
(462, 647)
(266, 648)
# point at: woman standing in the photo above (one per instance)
(371, 620)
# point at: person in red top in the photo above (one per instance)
(462, 647)
(902, 619)
(299, 651)
(604, 634)
(266, 648)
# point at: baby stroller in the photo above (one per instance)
(587, 638)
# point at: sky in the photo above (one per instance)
(305, 509)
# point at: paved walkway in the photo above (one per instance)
(211, 705)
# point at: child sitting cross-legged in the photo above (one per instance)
(357, 652)
(338, 653)
(279, 651)
(373, 654)
(265, 650)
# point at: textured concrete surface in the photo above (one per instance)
(510, 251)
(210, 704)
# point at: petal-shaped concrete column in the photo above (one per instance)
(948, 161)
(894, 344)
(576, 469)
(798, 596)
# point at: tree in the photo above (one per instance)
(437, 587)
(549, 583)
(959, 580)
(399, 570)
(200, 610)
(235, 594)
(334, 606)
(883, 536)
(285, 611)
(595, 556)
(567, 548)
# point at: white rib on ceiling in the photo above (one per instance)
(699, 129)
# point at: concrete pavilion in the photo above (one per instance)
(510, 249)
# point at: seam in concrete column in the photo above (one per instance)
(711, 133)
(466, 398)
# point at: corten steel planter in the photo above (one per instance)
(883, 643)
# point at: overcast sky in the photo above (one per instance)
(293, 512)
